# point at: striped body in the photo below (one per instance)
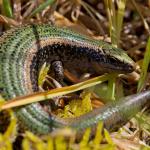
(23, 50)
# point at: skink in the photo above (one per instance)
(23, 50)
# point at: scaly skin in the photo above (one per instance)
(23, 50)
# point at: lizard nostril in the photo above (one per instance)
(132, 67)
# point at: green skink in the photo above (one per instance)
(25, 49)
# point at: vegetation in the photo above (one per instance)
(126, 25)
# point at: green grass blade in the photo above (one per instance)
(120, 15)
(108, 137)
(146, 62)
(85, 139)
(98, 136)
(42, 7)
(111, 13)
(7, 9)
(115, 18)
(111, 87)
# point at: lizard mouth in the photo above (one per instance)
(119, 68)
(124, 68)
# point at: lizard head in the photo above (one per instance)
(111, 59)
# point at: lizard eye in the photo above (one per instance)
(113, 60)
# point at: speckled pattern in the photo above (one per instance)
(24, 49)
